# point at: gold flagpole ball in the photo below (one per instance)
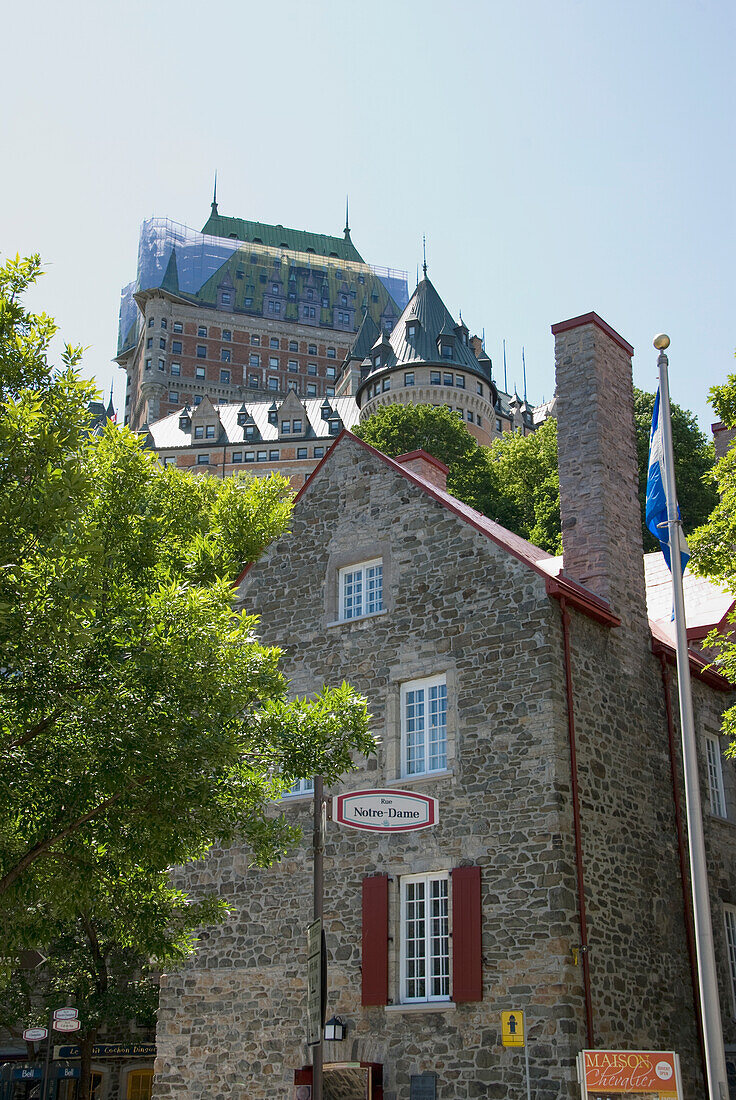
(661, 342)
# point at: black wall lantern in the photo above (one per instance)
(335, 1030)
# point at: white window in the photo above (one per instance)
(425, 938)
(302, 786)
(424, 725)
(361, 589)
(729, 913)
(715, 776)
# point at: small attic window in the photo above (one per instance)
(257, 240)
(273, 416)
(412, 328)
(233, 235)
(446, 350)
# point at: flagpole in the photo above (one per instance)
(707, 978)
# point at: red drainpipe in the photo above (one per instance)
(684, 880)
(576, 820)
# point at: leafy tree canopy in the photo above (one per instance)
(140, 718)
(527, 474)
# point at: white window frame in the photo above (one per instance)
(436, 977)
(301, 787)
(432, 756)
(367, 577)
(729, 917)
(716, 789)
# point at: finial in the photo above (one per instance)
(523, 364)
(483, 338)
(214, 196)
(505, 383)
(424, 248)
(661, 342)
(346, 230)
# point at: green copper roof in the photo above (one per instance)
(278, 236)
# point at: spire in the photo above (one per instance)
(505, 383)
(523, 364)
(214, 198)
(424, 248)
(346, 230)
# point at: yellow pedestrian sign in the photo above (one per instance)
(512, 1028)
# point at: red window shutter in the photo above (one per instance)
(375, 940)
(467, 966)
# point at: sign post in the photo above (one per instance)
(513, 1034)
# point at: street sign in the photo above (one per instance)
(385, 811)
(66, 1013)
(27, 1073)
(512, 1028)
(67, 1025)
(33, 1034)
(314, 982)
(29, 959)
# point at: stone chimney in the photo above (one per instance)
(601, 522)
(428, 467)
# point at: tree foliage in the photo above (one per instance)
(140, 718)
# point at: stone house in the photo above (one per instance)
(530, 696)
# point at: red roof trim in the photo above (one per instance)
(582, 600)
(698, 667)
(593, 319)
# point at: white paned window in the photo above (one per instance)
(729, 913)
(361, 589)
(424, 726)
(425, 938)
(715, 776)
(302, 786)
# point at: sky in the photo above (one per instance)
(561, 156)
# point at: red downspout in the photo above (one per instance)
(689, 934)
(576, 821)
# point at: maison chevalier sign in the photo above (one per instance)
(614, 1074)
(385, 811)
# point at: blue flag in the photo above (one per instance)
(656, 513)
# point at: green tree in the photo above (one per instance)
(694, 459)
(399, 429)
(140, 718)
(528, 478)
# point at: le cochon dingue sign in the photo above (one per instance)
(385, 811)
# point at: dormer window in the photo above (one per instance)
(412, 329)
(377, 360)
(326, 410)
(209, 432)
(185, 420)
(199, 432)
(446, 350)
(242, 415)
(335, 426)
(250, 431)
(286, 427)
(297, 427)
(273, 415)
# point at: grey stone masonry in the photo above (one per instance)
(601, 525)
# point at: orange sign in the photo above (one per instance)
(650, 1074)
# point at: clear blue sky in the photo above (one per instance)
(560, 155)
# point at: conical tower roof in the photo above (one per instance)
(434, 319)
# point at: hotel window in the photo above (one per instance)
(202, 330)
(227, 334)
(434, 377)
(286, 427)
(209, 432)
(312, 369)
(479, 388)
(361, 589)
(162, 364)
(199, 432)
(225, 377)
(199, 372)
(169, 461)
(150, 322)
(173, 396)
(226, 298)
(311, 389)
(448, 380)
(412, 328)
(237, 456)
(254, 359)
(273, 383)
(293, 366)
(715, 776)
(197, 399)
(312, 349)
(162, 344)
(255, 340)
(253, 381)
(425, 938)
(201, 351)
(460, 381)
(330, 391)
(331, 353)
(164, 323)
(273, 362)
(224, 355)
(293, 385)
(176, 368)
(273, 456)
(203, 460)
(409, 378)
(247, 301)
(386, 384)
(478, 420)
(330, 372)
(447, 351)
(249, 456)
(262, 456)
(499, 427)
(424, 726)
(297, 427)
(178, 326)
(176, 347)
(149, 342)
(273, 342)
(319, 452)
(148, 364)
(470, 417)
(301, 452)
(293, 346)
